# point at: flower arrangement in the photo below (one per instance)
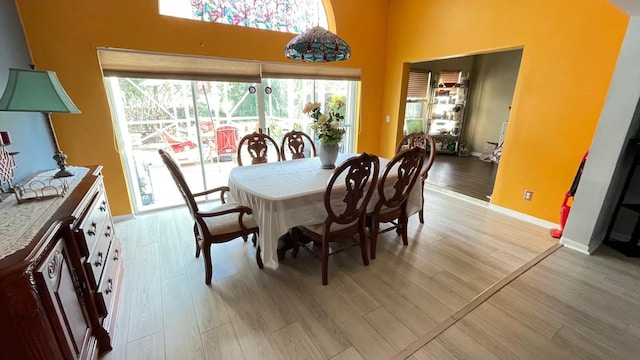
(328, 127)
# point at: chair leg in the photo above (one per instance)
(325, 262)
(195, 233)
(375, 226)
(402, 225)
(208, 268)
(259, 258)
(421, 212)
(363, 246)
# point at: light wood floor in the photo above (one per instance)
(569, 306)
(379, 311)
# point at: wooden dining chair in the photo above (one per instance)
(257, 146)
(426, 142)
(295, 143)
(217, 225)
(348, 192)
(394, 187)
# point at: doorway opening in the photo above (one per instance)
(468, 116)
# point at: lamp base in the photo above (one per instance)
(61, 160)
(63, 173)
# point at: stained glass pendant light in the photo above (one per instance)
(317, 45)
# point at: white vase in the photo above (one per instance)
(328, 154)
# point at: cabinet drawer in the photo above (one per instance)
(95, 219)
(98, 258)
(109, 284)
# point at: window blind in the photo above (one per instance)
(129, 63)
(418, 84)
(448, 77)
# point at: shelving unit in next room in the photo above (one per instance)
(445, 115)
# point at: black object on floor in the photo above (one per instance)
(628, 248)
(285, 243)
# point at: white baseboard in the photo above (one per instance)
(524, 217)
(125, 217)
(457, 195)
(574, 245)
(476, 154)
(571, 244)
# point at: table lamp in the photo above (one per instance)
(39, 91)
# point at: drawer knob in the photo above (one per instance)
(98, 261)
(116, 255)
(108, 232)
(92, 231)
(109, 288)
(103, 205)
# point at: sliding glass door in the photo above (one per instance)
(285, 99)
(197, 122)
(200, 123)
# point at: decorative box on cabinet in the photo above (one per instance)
(55, 302)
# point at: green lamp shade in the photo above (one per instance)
(36, 91)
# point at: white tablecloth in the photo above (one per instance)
(286, 194)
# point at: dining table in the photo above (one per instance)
(286, 194)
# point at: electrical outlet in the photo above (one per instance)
(528, 194)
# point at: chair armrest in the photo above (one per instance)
(222, 189)
(237, 209)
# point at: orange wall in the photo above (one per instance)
(63, 37)
(570, 51)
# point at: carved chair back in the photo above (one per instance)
(407, 165)
(257, 146)
(346, 197)
(295, 142)
(422, 141)
(392, 200)
(353, 182)
(178, 178)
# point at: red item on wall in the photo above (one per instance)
(565, 208)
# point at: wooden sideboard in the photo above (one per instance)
(59, 291)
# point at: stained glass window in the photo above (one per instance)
(294, 16)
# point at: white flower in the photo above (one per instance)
(327, 127)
